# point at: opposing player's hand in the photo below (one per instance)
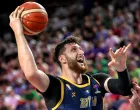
(136, 90)
(135, 99)
(119, 57)
(15, 21)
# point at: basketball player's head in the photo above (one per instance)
(69, 53)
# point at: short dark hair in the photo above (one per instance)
(59, 49)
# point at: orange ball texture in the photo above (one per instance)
(34, 18)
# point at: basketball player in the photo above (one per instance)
(75, 89)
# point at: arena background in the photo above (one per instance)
(100, 24)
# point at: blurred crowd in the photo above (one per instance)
(98, 28)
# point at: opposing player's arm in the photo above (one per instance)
(121, 85)
(36, 77)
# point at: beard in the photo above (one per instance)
(75, 66)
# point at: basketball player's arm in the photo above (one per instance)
(36, 77)
(121, 85)
(53, 94)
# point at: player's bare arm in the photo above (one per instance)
(26, 59)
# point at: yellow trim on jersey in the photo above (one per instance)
(103, 103)
(77, 85)
(96, 81)
(62, 96)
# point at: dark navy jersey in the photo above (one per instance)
(63, 94)
(80, 97)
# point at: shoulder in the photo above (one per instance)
(101, 78)
(101, 75)
(55, 83)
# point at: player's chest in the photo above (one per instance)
(84, 97)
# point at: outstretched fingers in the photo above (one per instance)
(118, 51)
(134, 92)
(127, 47)
(112, 54)
(137, 88)
(111, 63)
(122, 49)
(16, 12)
(19, 12)
(11, 15)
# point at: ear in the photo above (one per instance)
(62, 59)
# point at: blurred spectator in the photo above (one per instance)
(112, 40)
(126, 30)
(118, 18)
(100, 64)
(116, 105)
(134, 70)
(11, 99)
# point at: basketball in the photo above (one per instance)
(34, 18)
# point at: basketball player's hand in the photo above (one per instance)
(135, 99)
(15, 21)
(118, 58)
(136, 90)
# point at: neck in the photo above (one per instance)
(72, 76)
